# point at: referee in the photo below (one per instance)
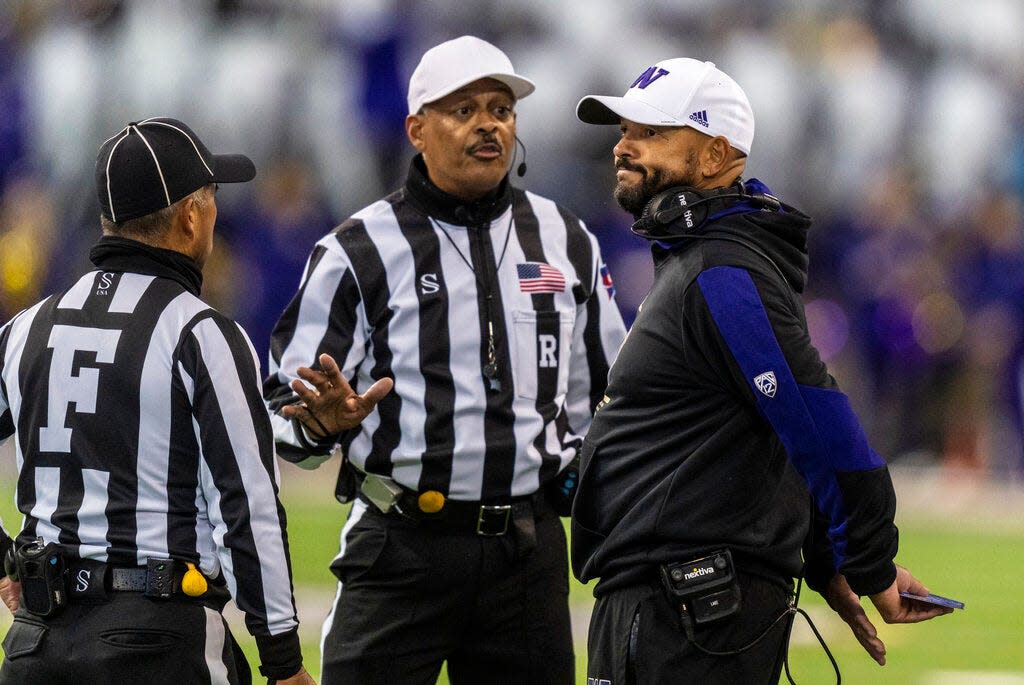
(146, 470)
(492, 311)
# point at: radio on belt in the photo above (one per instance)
(706, 587)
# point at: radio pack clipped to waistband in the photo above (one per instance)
(706, 588)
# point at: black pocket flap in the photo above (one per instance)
(23, 638)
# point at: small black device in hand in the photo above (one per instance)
(706, 588)
(561, 490)
(41, 572)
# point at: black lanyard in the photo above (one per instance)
(485, 282)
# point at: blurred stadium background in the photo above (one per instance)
(897, 124)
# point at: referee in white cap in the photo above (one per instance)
(146, 470)
(492, 311)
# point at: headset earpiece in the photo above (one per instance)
(686, 209)
(674, 204)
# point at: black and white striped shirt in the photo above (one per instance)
(407, 288)
(140, 431)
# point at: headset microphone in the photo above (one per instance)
(521, 169)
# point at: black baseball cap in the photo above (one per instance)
(152, 164)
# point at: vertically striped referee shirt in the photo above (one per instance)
(140, 431)
(412, 287)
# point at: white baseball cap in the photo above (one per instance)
(445, 68)
(679, 92)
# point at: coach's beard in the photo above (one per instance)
(634, 197)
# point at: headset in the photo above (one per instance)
(682, 211)
(660, 219)
(521, 169)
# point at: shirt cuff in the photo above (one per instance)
(280, 655)
(873, 582)
(312, 444)
(818, 573)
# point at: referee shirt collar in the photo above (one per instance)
(112, 253)
(450, 209)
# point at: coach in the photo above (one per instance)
(491, 309)
(722, 432)
(146, 466)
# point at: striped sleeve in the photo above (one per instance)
(238, 479)
(814, 422)
(9, 388)
(321, 317)
(598, 333)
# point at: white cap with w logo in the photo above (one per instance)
(679, 92)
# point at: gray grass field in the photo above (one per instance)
(962, 536)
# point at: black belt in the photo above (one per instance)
(88, 579)
(486, 519)
(128, 579)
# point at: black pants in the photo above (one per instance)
(637, 638)
(130, 639)
(412, 596)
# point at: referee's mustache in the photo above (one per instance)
(487, 139)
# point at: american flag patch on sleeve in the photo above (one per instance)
(537, 277)
(606, 280)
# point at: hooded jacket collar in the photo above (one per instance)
(450, 209)
(113, 253)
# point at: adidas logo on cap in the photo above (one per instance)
(700, 117)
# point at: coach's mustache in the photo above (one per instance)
(625, 164)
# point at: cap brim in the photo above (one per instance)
(608, 109)
(520, 87)
(233, 169)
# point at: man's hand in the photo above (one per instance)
(846, 603)
(300, 678)
(896, 609)
(892, 607)
(10, 593)
(331, 406)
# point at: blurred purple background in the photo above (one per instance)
(897, 125)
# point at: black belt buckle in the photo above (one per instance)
(493, 519)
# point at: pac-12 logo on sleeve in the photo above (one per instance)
(766, 383)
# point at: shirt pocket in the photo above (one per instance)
(541, 348)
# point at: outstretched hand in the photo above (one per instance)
(330, 406)
(892, 608)
(846, 603)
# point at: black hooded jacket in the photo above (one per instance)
(722, 426)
